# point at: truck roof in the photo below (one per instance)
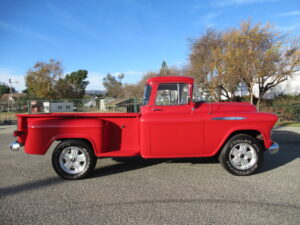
(170, 79)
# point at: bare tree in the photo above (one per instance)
(114, 85)
(208, 66)
(255, 55)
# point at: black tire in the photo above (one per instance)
(84, 160)
(234, 159)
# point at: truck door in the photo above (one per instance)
(175, 131)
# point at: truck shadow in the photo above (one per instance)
(15, 189)
(125, 165)
(289, 143)
(131, 164)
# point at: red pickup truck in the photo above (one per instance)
(173, 123)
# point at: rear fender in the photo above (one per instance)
(42, 133)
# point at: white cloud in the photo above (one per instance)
(224, 3)
(96, 81)
(288, 28)
(18, 80)
(197, 7)
(290, 13)
(129, 73)
(131, 77)
(208, 20)
(23, 31)
(180, 63)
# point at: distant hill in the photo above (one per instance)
(95, 92)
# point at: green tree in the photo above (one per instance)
(77, 82)
(164, 70)
(64, 90)
(5, 89)
(42, 78)
(113, 85)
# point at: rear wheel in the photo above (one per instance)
(242, 155)
(73, 159)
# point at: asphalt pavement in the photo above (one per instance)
(181, 191)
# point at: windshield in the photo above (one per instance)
(147, 93)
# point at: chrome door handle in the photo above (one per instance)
(157, 110)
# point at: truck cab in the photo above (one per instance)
(169, 118)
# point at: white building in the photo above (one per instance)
(288, 87)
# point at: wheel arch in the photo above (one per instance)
(257, 134)
(87, 140)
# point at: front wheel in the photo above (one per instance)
(73, 159)
(242, 155)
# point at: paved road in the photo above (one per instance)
(190, 191)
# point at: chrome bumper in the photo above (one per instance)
(15, 146)
(274, 148)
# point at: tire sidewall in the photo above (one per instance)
(224, 156)
(90, 159)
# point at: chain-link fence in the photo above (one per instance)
(8, 110)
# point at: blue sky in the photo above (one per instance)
(129, 36)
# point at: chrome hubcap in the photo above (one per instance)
(72, 160)
(242, 156)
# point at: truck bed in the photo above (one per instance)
(80, 115)
(111, 134)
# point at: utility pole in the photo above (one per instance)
(10, 97)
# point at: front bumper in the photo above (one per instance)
(15, 146)
(274, 148)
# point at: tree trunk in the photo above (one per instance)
(251, 93)
(251, 96)
(258, 102)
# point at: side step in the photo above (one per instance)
(120, 153)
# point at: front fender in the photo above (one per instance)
(43, 132)
(217, 131)
(266, 138)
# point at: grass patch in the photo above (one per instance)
(288, 124)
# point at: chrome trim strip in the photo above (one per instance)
(229, 118)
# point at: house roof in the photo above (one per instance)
(118, 101)
(5, 97)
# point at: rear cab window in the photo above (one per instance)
(147, 94)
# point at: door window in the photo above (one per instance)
(172, 94)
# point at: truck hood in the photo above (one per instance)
(225, 107)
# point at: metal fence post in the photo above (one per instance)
(134, 105)
(28, 107)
